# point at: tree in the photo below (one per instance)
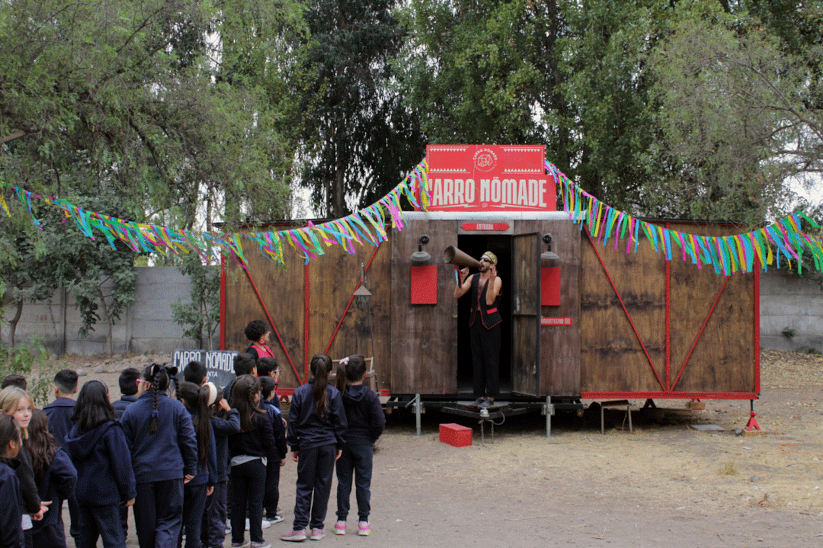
(357, 137)
(200, 317)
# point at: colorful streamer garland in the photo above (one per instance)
(726, 254)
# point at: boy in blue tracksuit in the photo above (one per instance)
(59, 413)
(128, 391)
(272, 495)
(366, 421)
(161, 438)
(224, 423)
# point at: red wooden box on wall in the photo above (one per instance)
(550, 285)
(456, 434)
(424, 284)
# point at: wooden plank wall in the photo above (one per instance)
(560, 345)
(423, 337)
(611, 358)
(723, 358)
(332, 278)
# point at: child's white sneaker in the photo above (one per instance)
(363, 528)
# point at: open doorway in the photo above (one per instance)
(475, 245)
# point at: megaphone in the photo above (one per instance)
(452, 255)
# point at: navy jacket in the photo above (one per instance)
(55, 484)
(31, 501)
(259, 442)
(206, 472)
(59, 413)
(11, 510)
(121, 405)
(223, 428)
(364, 414)
(279, 430)
(104, 472)
(171, 452)
(307, 429)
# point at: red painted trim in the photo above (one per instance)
(306, 321)
(756, 326)
(671, 395)
(271, 322)
(491, 310)
(351, 299)
(700, 333)
(222, 302)
(625, 310)
(668, 323)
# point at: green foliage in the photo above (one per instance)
(32, 361)
(357, 138)
(200, 317)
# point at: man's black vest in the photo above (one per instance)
(489, 315)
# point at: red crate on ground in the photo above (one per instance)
(455, 434)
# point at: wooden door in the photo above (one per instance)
(423, 337)
(525, 303)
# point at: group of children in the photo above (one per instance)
(184, 455)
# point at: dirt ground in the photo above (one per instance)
(664, 484)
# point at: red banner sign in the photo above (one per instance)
(485, 227)
(489, 178)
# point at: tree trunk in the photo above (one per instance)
(14, 320)
(109, 343)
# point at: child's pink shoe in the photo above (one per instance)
(340, 528)
(363, 528)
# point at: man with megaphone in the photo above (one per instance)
(484, 326)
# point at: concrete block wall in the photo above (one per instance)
(789, 302)
(146, 327)
(785, 302)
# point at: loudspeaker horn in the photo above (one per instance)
(452, 255)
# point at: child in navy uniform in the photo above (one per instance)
(11, 511)
(105, 479)
(366, 421)
(272, 496)
(224, 423)
(196, 399)
(128, 391)
(55, 476)
(59, 413)
(17, 404)
(251, 449)
(160, 435)
(317, 422)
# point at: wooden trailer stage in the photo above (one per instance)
(624, 325)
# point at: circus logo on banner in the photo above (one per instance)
(489, 178)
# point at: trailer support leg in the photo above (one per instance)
(548, 410)
(752, 425)
(418, 411)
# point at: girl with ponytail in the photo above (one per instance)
(317, 423)
(161, 437)
(197, 400)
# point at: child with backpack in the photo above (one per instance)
(105, 479)
(366, 421)
(225, 421)
(317, 422)
(163, 448)
(55, 476)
